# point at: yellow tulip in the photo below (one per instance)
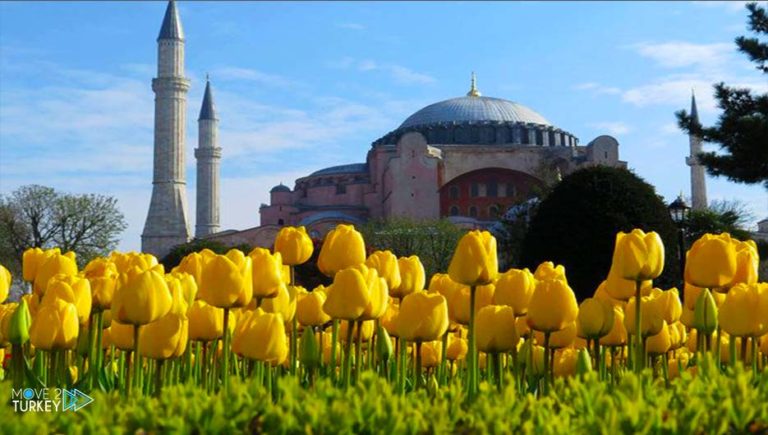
(711, 261)
(514, 288)
(227, 283)
(33, 301)
(31, 261)
(55, 326)
(431, 353)
(618, 333)
(458, 305)
(553, 306)
(121, 335)
(143, 298)
(559, 339)
(564, 364)
(102, 274)
(367, 331)
(129, 260)
(294, 245)
(179, 304)
(670, 305)
(309, 309)
(602, 294)
(412, 277)
(547, 271)
(389, 319)
(622, 289)
(638, 256)
(193, 264)
(357, 293)
(595, 318)
(165, 338)
(423, 317)
(267, 273)
(261, 336)
(495, 329)
(188, 286)
(73, 289)
(343, 247)
(475, 260)
(745, 310)
(521, 326)
(5, 283)
(443, 284)
(659, 343)
(54, 264)
(206, 322)
(747, 263)
(386, 264)
(457, 348)
(651, 316)
(284, 303)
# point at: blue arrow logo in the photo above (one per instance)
(75, 400)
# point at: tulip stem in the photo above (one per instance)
(225, 362)
(754, 354)
(334, 338)
(497, 360)
(99, 338)
(546, 362)
(743, 349)
(717, 349)
(136, 358)
(732, 352)
(472, 361)
(358, 349)
(443, 356)
(639, 357)
(158, 377)
(401, 369)
(417, 383)
(294, 326)
(348, 354)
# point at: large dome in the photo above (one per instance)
(473, 109)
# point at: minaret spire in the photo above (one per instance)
(473, 92)
(208, 155)
(698, 179)
(166, 225)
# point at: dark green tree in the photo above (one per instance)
(741, 130)
(576, 225)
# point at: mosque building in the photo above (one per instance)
(467, 159)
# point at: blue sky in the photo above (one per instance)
(301, 86)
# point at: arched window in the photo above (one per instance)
(510, 190)
(454, 192)
(280, 222)
(474, 190)
(473, 211)
(493, 211)
(341, 189)
(454, 211)
(492, 189)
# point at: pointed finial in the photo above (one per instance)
(171, 27)
(473, 92)
(694, 110)
(207, 77)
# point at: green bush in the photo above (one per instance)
(576, 225)
(709, 403)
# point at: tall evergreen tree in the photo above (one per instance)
(742, 128)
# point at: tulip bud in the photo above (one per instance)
(227, 280)
(206, 322)
(423, 317)
(55, 326)
(475, 260)
(595, 318)
(142, 299)
(294, 245)
(267, 273)
(705, 313)
(495, 329)
(165, 338)
(583, 363)
(383, 345)
(309, 352)
(261, 336)
(18, 328)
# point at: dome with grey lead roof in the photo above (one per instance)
(473, 109)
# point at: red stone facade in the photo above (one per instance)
(485, 194)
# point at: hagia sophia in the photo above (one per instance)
(467, 159)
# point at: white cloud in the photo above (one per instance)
(676, 91)
(616, 128)
(677, 54)
(398, 73)
(351, 26)
(597, 88)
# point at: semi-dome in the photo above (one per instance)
(474, 109)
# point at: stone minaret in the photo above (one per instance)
(698, 182)
(166, 224)
(208, 155)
